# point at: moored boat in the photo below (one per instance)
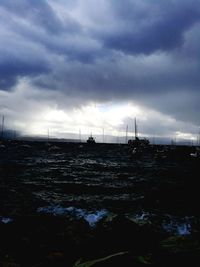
(91, 140)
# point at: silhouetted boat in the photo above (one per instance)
(137, 142)
(91, 140)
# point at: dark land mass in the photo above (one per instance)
(74, 204)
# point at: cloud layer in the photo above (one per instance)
(72, 53)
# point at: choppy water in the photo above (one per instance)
(94, 180)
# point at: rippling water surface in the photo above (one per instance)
(90, 179)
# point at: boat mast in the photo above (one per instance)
(136, 132)
(2, 127)
(48, 136)
(80, 135)
(126, 134)
(198, 138)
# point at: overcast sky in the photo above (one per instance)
(67, 65)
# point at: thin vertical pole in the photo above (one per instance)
(199, 138)
(80, 135)
(2, 127)
(126, 134)
(48, 136)
(136, 129)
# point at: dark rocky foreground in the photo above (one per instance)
(80, 205)
(118, 241)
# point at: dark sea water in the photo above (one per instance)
(80, 205)
(94, 181)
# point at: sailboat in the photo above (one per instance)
(137, 142)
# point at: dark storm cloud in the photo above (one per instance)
(149, 26)
(136, 50)
(11, 69)
(30, 33)
(38, 12)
